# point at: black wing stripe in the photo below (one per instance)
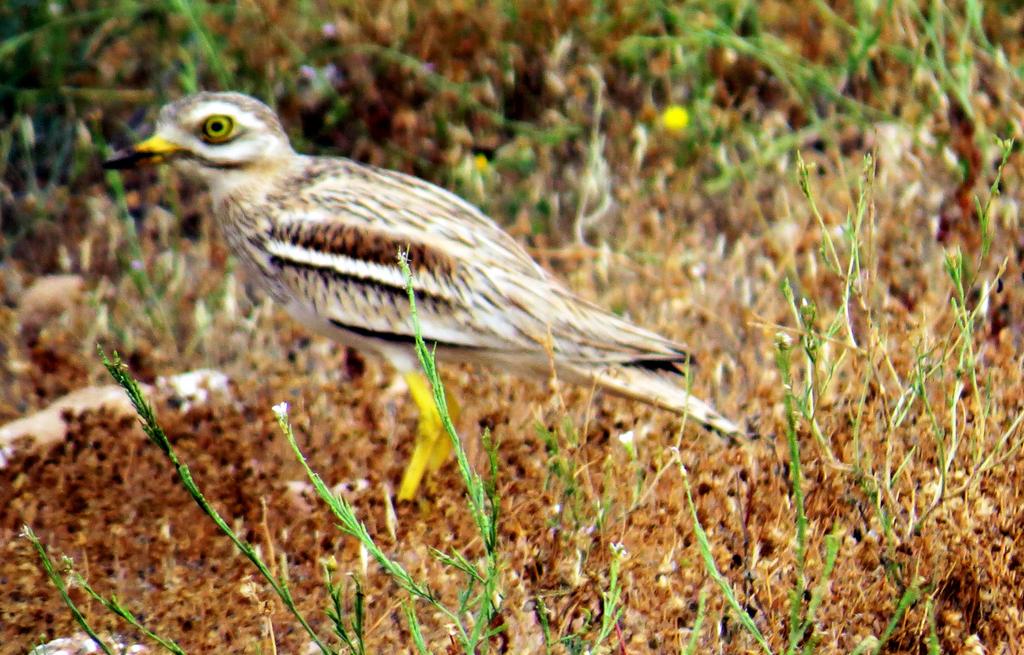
(396, 337)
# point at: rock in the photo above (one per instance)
(194, 387)
(81, 644)
(48, 426)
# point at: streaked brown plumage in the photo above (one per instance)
(322, 236)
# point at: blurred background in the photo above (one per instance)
(723, 171)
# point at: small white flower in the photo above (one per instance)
(619, 550)
(783, 339)
(627, 438)
(280, 410)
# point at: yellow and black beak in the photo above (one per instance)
(153, 150)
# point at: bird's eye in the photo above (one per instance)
(218, 129)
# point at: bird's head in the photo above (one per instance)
(210, 135)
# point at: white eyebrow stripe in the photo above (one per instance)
(216, 108)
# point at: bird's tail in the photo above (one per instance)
(658, 389)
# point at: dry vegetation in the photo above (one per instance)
(830, 233)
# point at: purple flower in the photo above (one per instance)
(332, 74)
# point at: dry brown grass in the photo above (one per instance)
(539, 95)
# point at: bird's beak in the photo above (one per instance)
(153, 150)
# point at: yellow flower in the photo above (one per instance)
(481, 164)
(675, 118)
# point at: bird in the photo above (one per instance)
(322, 236)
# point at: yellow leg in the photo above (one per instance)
(432, 442)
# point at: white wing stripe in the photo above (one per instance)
(351, 267)
(289, 252)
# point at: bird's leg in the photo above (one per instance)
(432, 442)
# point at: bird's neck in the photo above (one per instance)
(251, 183)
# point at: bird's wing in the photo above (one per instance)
(586, 334)
(335, 242)
(408, 205)
(475, 286)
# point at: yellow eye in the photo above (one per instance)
(218, 129)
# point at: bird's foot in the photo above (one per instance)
(433, 444)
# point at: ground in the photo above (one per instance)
(813, 198)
